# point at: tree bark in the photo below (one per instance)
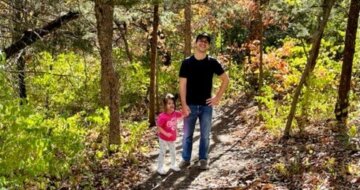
(123, 31)
(21, 76)
(261, 36)
(342, 104)
(187, 31)
(153, 56)
(31, 36)
(157, 95)
(255, 23)
(104, 12)
(20, 61)
(311, 62)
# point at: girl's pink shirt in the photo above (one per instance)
(168, 122)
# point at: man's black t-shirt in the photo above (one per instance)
(199, 75)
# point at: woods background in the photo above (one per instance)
(80, 81)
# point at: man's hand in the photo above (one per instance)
(186, 110)
(214, 101)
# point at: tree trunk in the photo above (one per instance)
(311, 62)
(21, 76)
(19, 19)
(255, 23)
(342, 104)
(123, 30)
(104, 12)
(153, 64)
(261, 71)
(187, 31)
(261, 35)
(254, 39)
(157, 95)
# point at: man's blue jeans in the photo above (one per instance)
(204, 113)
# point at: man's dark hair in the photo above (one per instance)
(203, 35)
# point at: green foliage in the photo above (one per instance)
(330, 164)
(274, 35)
(302, 15)
(134, 83)
(281, 169)
(99, 119)
(353, 169)
(236, 85)
(314, 102)
(34, 147)
(133, 143)
(275, 112)
(320, 85)
(353, 131)
(65, 84)
(236, 34)
(2, 57)
(5, 87)
(168, 79)
(131, 140)
(292, 167)
(98, 123)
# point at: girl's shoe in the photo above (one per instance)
(175, 168)
(161, 171)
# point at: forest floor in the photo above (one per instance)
(245, 155)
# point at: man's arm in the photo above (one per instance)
(185, 107)
(224, 83)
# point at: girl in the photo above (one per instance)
(166, 124)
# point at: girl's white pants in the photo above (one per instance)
(163, 144)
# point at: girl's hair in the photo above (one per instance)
(168, 97)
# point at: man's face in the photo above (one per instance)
(202, 45)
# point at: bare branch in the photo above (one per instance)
(29, 37)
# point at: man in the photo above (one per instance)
(196, 75)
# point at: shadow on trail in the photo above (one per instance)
(228, 119)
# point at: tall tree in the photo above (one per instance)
(19, 20)
(256, 22)
(342, 104)
(187, 28)
(153, 56)
(104, 12)
(311, 62)
(122, 26)
(261, 43)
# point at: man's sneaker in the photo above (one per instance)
(203, 164)
(161, 171)
(184, 164)
(175, 168)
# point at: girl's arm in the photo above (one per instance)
(161, 130)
